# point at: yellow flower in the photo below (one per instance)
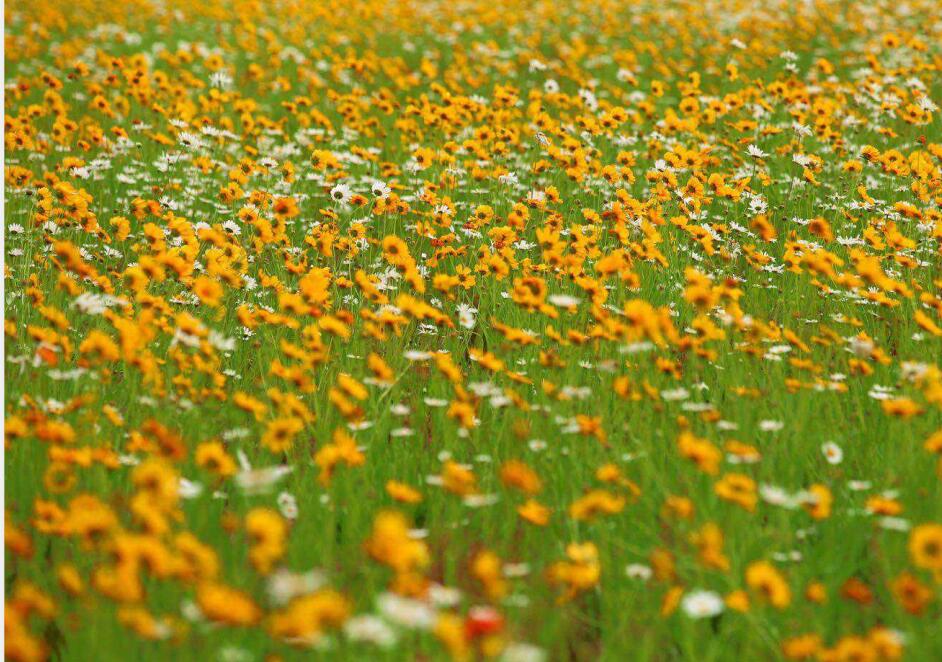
(765, 579)
(739, 489)
(208, 289)
(306, 618)
(458, 479)
(516, 474)
(280, 433)
(488, 569)
(534, 512)
(391, 544)
(819, 507)
(268, 533)
(925, 546)
(579, 573)
(212, 456)
(703, 453)
(402, 492)
(227, 606)
(594, 503)
(342, 449)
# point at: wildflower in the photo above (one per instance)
(579, 573)
(391, 544)
(341, 193)
(370, 629)
(288, 506)
(534, 512)
(305, 619)
(280, 433)
(596, 502)
(342, 449)
(819, 501)
(739, 489)
(517, 474)
(709, 541)
(405, 612)
(704, 454)
(267, 532)
(213, 457)
(832, 452)
(402, 492)
(912, 595)
(925, 546)
(762, 577)
(226, 605)
(702, 604)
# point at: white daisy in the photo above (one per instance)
(832, 452)
(755, 152)
(341, 193)
(380, 189)
(702, 604)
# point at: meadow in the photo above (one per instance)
(525, 331)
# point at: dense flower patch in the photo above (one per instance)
(526, 330)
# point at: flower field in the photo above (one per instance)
(524, 331)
